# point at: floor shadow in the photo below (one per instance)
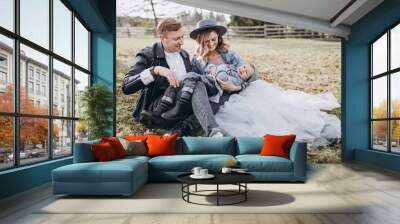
(255, 198)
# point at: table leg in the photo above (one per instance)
(196, 188)
(245, 193)
(217, 194)
(188, 190)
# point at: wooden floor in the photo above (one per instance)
(378, 189)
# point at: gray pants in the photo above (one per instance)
(204, 110)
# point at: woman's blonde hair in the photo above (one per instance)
(202, 50)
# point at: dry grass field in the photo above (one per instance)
(311, 66)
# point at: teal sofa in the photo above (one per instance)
(125, 176)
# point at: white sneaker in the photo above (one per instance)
(217, 134)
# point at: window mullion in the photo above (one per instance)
(16, 84)
(371, 98)
(50, 81)
(389, 105)
(73, 81)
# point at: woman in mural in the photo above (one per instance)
(262, 107)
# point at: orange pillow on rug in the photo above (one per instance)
(103, 151)
(116, 145)
(277, 145)
(161, 145)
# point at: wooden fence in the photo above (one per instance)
(265, 31)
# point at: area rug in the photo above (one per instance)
(166, 198)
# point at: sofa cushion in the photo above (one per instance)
(133, 157)
(103, 151)
(257, 163)
(116, 145)
(277, 145)
(112, 171)
(83, 152)
(206, 145)
(185, 163)
(249, 145)
(134, 147)
(161, 145)
(136, 137)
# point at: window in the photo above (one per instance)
(30, 72)
(7, 14)
(38, 89)
(3, 61)
(44, 91)
(62, 29)
(54, 126)
(35, 21)
(62, 75)
(62, 140)
(7, 142)
(37, 74)
(30, 87)
(6, 74)
(3, 78)
(81, 45)
(385, 92)
(3, 72)
(81, 81)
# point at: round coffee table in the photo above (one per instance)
(238, 179)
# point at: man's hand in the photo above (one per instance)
(228, 86)
(168, 74)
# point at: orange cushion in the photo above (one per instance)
(161, 145)
(277, 145)
(136, 137)
(116, 145)
(103, 151)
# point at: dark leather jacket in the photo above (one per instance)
(147, 57)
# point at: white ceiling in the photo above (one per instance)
(315, 15)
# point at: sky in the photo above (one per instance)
(163, 8)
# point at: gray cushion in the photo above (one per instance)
(134, 147)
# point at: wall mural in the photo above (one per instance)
(203, 73)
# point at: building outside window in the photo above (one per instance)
(30, 72)
(38, 89)
(34, 69)
(385, 91)
(37, 75)
(30, 87)
(43, 78)
(3, 71)
(43, 90)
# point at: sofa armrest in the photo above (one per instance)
(83, 152)
(298, 155)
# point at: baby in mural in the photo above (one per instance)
(181, 96)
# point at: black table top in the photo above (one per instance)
(220, 178)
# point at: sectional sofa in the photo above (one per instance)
(125, 176)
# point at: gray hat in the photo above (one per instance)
(207, 24)
(254, 76)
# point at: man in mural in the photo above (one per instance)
(162, 65)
